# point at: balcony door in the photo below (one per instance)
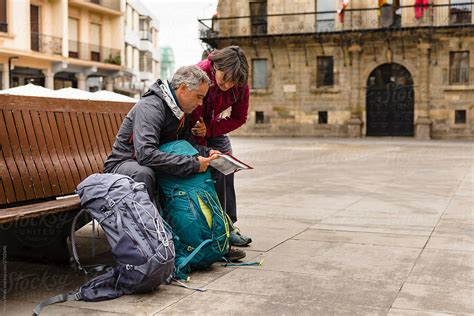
(73, 29)
(35, 27)
(95, 34)
(258, 19)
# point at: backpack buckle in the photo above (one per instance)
(129, 267)
(111, 202)
(78, 296)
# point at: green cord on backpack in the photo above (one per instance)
(192, 209)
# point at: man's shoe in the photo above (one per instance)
(237, 239)
(235, 254)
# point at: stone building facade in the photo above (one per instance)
(395, 70)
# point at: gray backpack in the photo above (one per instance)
(140, 240)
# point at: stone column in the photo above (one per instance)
(81, 81)
(49, 79)
(423, 121)
(109, 84)
(5, 77)
(355, 123)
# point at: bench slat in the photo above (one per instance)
(105, 134)
(27, 155)
(87, 143)
(19, 156)
(35, 209)
(109, 128)
(68, 184)
(68, 149)
(10, 152)
(54, 153)
(36, 155)
(44, 153)
(98, 138)
(76, 139)
(6, 177)
(3, 196)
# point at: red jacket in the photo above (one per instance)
(216, 102)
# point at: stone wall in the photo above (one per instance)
(291, 103)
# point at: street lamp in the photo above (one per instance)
(10, 70)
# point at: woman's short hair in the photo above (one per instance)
(192, 76)
(232, 61)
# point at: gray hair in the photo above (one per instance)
(191, 76)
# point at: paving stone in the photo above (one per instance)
(228, 303)
(268, 232)
(375, 228)
(449, 227)
(363, 238)
(289, 286)
(436, 298)
(407, 312)
(450, 268)
(342, 260)
(461, 207)
(461, 243)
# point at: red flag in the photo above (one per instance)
(342, 6)
(420, 7)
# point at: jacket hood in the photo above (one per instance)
(162, 90)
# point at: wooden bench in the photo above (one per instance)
(47, 147)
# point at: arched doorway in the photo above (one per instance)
(390, 101)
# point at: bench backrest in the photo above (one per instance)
(48, 146)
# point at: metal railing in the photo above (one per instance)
(387, 17)
(92, 52)
(46, 43)
(111, 4)
(146, 35)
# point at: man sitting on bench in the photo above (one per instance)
(160, 117)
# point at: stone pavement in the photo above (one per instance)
(345, 227)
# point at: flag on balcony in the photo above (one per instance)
(420, 7)
(342, 6)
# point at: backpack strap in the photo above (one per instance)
(75, 257)
(72, 296)
(228, 263)
(192, 254)
(181, 284)
(73, 239)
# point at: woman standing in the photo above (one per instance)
(228, 70)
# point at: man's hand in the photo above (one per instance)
(213, 152)
(199, 128)
(204, 162)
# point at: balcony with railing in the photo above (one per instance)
(46, 44)
(96, 53)
(369, 19)
(113, 5)
(146, 35)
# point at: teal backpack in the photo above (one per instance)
(192, 208)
